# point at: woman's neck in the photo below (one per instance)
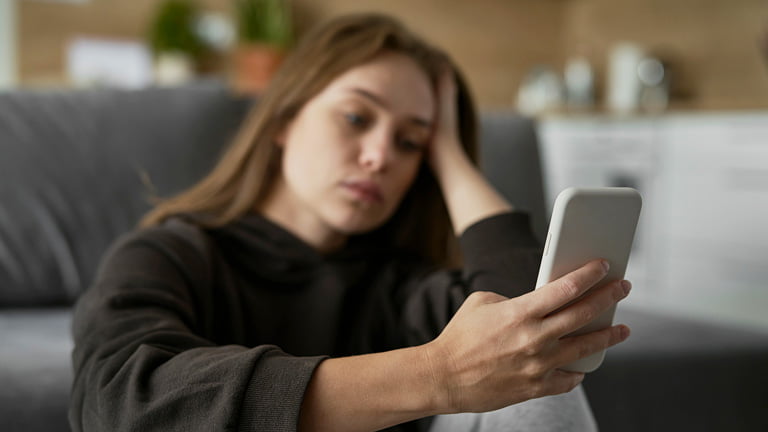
(307, 226)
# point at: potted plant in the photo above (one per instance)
(174, 42)
(264, 34)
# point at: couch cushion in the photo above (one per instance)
(35, 369)
(509, 157)
(72, 174)
(676, 374)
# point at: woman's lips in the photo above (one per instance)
(363, 190)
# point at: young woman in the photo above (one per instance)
(306, 282)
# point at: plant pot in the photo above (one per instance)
(254, 65)
(173, 68)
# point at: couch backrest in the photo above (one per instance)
(73, 166)
(509, 156)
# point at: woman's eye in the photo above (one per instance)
(410, 145)
(356, 120)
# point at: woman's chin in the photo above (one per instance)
(360, 222)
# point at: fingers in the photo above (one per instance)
(445, 135)
(484, 297)
(577, 347)
(447, 89)
(446, 124)
(585, 310)
(560, 292)
(561, 381)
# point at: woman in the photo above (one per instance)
(326, 230)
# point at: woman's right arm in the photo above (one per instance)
(495, 352)
(145, 357)
(141, 363)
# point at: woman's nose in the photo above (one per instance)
(375, 151)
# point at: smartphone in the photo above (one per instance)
(586, 224)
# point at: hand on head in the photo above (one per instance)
(445, 139)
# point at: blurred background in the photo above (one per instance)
(668, 96)
(713, 51)
(107, 103)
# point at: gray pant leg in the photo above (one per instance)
(566, 412)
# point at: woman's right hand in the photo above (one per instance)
(497, 351)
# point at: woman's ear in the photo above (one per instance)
(281, 136)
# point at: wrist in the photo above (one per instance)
(374, 391)
(450, 161)
(441, 398)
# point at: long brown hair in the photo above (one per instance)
(243, 176)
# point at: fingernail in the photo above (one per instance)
(626, 286)
(606, 265)
(624, 332)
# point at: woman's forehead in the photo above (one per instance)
(393, 80)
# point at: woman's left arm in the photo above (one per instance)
(468, 195)
(499, 251)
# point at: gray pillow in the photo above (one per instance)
(72, 165)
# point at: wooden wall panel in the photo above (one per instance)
(495, 42)
(712, 42)
(45, 28)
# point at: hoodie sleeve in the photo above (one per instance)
(501, 255)
(142, 362)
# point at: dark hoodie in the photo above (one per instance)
(192, 329)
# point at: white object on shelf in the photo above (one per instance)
(579, 83)
(93, 62)
(7, 44)
(541, 91)
(216, 30)
(173, 68)
(624, 86)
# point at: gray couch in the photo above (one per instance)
(75, 172)
(77, 169)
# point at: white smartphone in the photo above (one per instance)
(586, 224)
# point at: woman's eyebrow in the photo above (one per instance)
(383, 104)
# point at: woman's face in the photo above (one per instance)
(353, 151)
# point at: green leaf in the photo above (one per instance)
(265, 21)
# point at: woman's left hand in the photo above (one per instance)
(446, 147)
(468, 195)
